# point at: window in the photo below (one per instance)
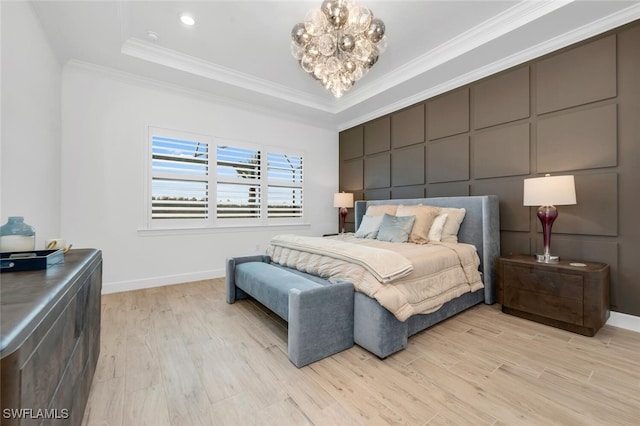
(239, 182)
(284, 185)
(252, 185)
(179, 181)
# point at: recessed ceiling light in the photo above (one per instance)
(153, 36)
(187, 19)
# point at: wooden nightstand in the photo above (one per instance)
(574, 298)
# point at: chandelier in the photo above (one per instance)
(338, 43)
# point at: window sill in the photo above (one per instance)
(148, 232)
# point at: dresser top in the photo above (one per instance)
(26, 297)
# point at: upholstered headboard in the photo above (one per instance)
(480, 227)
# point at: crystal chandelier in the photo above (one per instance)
(338, 43)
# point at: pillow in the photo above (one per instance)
(395, 229)
(425, 216)
(382, 209)
(435, 233)
(369, 227)
(452, 225)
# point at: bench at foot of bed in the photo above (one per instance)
(319, 316)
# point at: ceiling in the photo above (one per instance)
(239, 51)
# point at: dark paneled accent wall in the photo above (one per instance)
(576, 111)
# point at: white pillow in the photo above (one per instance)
(369, 227)
(452, 225)
(435, 233)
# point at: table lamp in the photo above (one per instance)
(548, 192)
(343, 201)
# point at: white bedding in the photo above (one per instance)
(384, 265)
(439, 271)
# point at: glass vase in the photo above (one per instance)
(16, 235)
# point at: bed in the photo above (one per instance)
(382, 332)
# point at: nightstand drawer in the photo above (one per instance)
(556, 284)
(545, 305)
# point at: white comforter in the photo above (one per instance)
(437, 272)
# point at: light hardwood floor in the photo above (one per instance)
(180, 355)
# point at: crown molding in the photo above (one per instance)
(491, 29)
(170, 58)
(143, 81)
(579, 34)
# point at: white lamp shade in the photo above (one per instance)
(342, 199)
(549, 191)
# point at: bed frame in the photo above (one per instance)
(374, 327)
(377, 330)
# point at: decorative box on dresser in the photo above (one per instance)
(565, 294)
(50, 340)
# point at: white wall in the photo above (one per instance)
(104, 150)
(30, 144)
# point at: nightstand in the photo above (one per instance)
(564, 295)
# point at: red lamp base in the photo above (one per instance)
(547, 214)
(343, 214)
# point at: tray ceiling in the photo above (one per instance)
(239, 51)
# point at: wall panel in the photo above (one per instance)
(377, 135)
(513, 215)
(596, 211)
(448, 189)
(577, 76)
(407, 127)
(408, 192)
(407, 166)
(501, 99)
(351, 175)
(352, 143)
(448, 115)
(377, 194)
(377, 171)
(515, 243)
(576, 140)
(490, 149)
(448, 160)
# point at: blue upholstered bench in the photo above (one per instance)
(319, 314)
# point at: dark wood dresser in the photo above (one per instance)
(50, 321)
(564, 294)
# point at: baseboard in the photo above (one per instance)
(629, 322)
(120, 286)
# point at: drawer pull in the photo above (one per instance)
(5, 264)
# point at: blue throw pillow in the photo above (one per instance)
(395, 229)
(369, 227)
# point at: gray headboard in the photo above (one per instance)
(480, 227)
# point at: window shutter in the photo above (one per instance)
(179, 182)
(239, 183)
(284, 185)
